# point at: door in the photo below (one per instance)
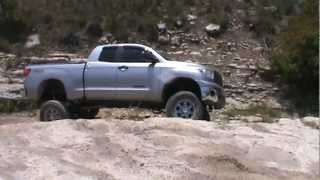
(100, 76)
(135, 75)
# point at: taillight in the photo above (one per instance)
(26, 72)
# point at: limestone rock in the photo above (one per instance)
(32, 41)
(252, 119)
(162, 27)
(213, 29)
(164, 39)
(313, 122)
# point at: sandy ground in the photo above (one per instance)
(156, 149)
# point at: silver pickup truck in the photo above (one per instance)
(119, 74)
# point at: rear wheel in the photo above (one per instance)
(53, 110)
(185, 105)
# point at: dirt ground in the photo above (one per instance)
(156, 148)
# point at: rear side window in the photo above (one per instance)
(133, 55)
(108, 54)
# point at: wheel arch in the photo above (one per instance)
(180, 84)
(52, 89)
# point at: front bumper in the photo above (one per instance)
(213, 94)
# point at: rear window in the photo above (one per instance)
(108, 54)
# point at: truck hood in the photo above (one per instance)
(185, 64)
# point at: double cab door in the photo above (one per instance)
(122, 73)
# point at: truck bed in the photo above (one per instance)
(69, 74)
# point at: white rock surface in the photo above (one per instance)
(159, 149)
(162, 26)
(252, 119)
(191, 17)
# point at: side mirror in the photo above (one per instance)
(154, 60)
(149, 56)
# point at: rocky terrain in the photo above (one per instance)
(237, 54)
(158, 149)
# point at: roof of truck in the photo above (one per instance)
(123, 44)
(94, 56)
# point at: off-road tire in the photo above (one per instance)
(199, 108)
(56, 108)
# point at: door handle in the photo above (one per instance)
(123, 68)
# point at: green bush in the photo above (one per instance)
(265, 16)
(12, 28)
(9, 106)
(4, 45)
(53, 19)
(297, 58)
(267, 113)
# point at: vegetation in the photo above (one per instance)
(264, 17)
(267, 113)
(121, 17)
(62, 19)
(9, 106)
(297, 58)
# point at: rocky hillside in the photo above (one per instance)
(159, 149)
(237, 53)
(235, 37)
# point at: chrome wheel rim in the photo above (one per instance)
(184, 109)
(51, 114)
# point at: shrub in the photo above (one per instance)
(12, 29)
(10, 105)
(264, 16)
(267, 113)
(54, 18)
(297, 58)
(4, 45)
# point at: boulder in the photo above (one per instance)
(179, 24)
(176, 40)
(32, 41)
(313, 122)
(213, 30)
(252, 119)
(195, 53)
(162, 27)
(103, 40)
(191, 17)
(164, 39)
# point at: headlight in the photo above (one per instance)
(207, 73)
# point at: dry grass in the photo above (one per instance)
(267, 114)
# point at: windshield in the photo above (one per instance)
(165, 55)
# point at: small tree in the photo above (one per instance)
(297, 57)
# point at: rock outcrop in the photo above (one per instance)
(158, 149)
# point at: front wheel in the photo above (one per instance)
(53, 110)
(185, 105)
